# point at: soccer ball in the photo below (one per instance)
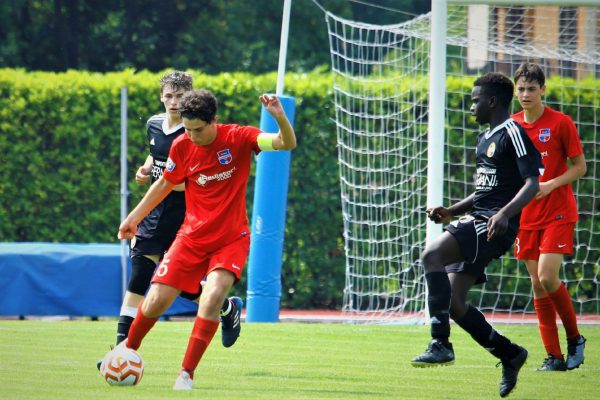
(122, 366)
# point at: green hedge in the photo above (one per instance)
(60, 145)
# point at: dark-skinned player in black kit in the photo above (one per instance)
(508, 169)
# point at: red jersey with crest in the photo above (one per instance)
(555, 136)
(215, 179)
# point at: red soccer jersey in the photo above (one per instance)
(215, 184)
(555, 136)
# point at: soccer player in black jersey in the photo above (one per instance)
(508, 167)
(158, 230)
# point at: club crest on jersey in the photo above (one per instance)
(170, 165)
(544, 135)
(491, 149)
(224, 156)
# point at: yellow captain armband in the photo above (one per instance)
(265, 141)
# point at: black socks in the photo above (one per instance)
(438, 300)
(123, 328)
(477, 326)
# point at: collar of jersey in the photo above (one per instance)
(489, 134)
(168, 131)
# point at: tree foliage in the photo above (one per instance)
(210, 35)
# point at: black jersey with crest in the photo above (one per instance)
(160, 139)
(505, 158)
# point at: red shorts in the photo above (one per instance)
(184, 266)
(556, 239)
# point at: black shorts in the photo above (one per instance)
(476, 270)
(471, 234)
(157, 231)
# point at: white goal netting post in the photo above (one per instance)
(380, 86)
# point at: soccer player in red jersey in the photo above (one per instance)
(157, 231)
(214, 162)
(548, 222)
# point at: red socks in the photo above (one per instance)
(564, 307)
(140, 326)
(546, 309)
(201, 336)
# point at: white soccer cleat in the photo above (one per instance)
(122, 344)
(183, 382)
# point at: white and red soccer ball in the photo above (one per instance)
(122, 366)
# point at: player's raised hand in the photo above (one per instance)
(272, 104)
(439, 215)
(142, 176)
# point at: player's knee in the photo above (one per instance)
(549, 283)
(431, 262)
(142, 269)
(537, 287)
(535, 281)
(158, 300)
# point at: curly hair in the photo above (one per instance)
(531, 72)
(198, 104)
(497, 84)
(177, 79)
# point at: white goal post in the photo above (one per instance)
(406, 140)
(437, 90)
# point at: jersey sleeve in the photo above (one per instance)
(529, 160)
(570, 138)
(250, 134)
(175, 169)
(148, 136)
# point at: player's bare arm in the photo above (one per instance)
(142, 176)
(576, 170)
(157, 192)
(442, 215)
(498, 223)
(286, 137)
(462, 206)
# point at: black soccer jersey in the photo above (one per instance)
(505, 157)
(160, 139)
(158, 229)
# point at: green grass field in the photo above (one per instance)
(57, 360)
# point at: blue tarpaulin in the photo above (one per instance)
(65, 279)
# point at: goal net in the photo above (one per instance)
(380, 89)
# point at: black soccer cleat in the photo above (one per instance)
(575, 352)
(552, 363)
(231, 323)
(437, 353)
(510, 371)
